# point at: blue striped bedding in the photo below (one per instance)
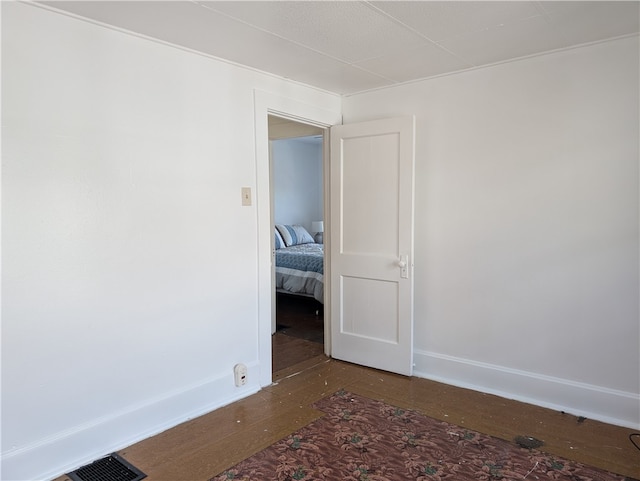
(299, 270)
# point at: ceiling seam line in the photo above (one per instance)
(293, 42)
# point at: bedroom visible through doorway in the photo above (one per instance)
(297, 212)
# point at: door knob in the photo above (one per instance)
(403, 265)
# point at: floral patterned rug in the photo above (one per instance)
(360, 439)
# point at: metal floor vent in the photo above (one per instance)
(111, 468)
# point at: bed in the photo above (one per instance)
(299, 262)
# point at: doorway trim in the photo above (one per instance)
(266, 103)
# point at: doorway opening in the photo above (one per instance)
(296, 158)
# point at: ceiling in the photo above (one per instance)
(352, 46)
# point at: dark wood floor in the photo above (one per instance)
(203, 447)
(300, 332)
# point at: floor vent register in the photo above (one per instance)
(111, 468)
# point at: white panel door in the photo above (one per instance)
(372, 165)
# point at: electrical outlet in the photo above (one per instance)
(240, 374)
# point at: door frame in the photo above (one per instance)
(266, 103)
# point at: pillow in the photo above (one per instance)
(279, 242)
(294, 234)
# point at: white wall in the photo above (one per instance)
(526, 275)
(129, 265)
(297, 181)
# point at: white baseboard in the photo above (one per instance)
(66, 451)
(580, 399)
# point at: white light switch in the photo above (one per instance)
(246, 196)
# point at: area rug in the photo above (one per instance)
(359, 439)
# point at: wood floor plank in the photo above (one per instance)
(214, 454)
(289, 351)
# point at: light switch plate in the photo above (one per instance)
(246, 196)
